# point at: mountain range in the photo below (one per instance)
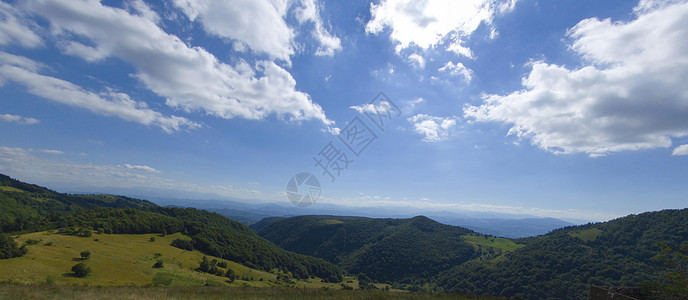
(417, 254)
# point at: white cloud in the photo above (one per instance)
(427, 24)
(433, 129)
(22, 163)
(417, 60)
(383, 107)
(190, 78)
(18, 119)
(457, 69)
(680, 150)
(19, 70)
(140, 168)
(50, 151)
(308, 11)
(258, 23)
(493, 33)
(16, 28)
(632, 96)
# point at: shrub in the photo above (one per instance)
(86, 254)
(158, 264)
(81, 270)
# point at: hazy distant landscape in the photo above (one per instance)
(325, 149)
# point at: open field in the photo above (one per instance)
(14, 291)
(127, 259)
(506, 245)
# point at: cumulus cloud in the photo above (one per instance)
(680, 150)
(258, 23)
(417, 60)
(18, 119)
(433, 129)
(456, 69)
(23, 71)
(632, 94)
(427, 24)
(190, 78)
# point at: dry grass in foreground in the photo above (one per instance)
(42, 291)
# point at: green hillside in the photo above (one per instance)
(30, 207)
(564, 263)
(388, 250)
(121, 259)
(27, 208)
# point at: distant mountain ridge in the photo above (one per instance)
(497, 224)
(510, 228)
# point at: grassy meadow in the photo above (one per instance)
(503, 244)
(127, 260)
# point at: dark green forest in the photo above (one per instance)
(564, 263)
(386, 250)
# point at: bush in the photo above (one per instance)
(85, 254)
(158, 264)
(152, 239)
(81, 270)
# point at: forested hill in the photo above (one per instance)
(26, 206)
(564, 263)
(29, 208)
(390, 250)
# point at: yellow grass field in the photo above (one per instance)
(127, 260)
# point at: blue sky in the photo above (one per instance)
(569, 109)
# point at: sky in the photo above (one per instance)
(567, 109)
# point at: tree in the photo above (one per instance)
(86, 254)
(673, 282)
(9, 249)
(158, 264)
(81, 270)
(204, 265)
(231, 275)
(365, 283)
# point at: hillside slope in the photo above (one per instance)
(386, 250)
(26, 208)
(564, 263)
